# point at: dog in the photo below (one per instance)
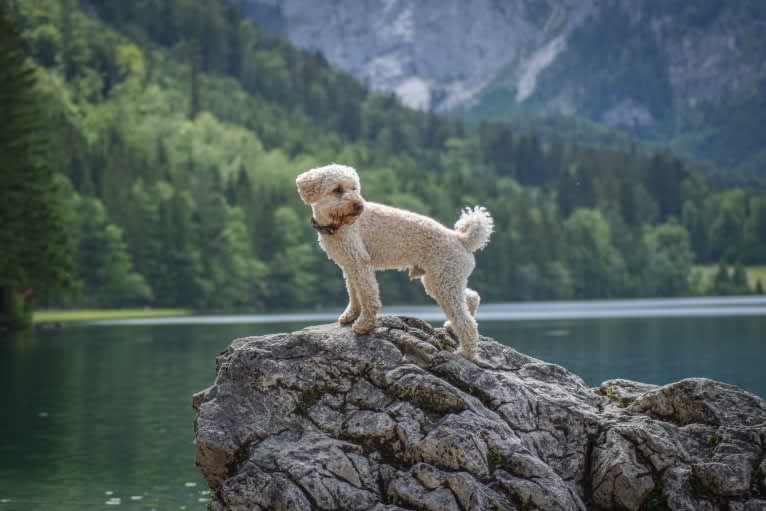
(362, 237)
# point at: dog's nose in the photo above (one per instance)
(358, 207)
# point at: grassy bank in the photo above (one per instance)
(60, 316)
(754, 274)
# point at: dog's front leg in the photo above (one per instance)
(354, 307)
(362, 279)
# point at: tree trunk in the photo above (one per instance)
(6, 312)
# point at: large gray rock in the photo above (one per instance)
(325, 419)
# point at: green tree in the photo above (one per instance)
(46, 44)
(669, 262)
(103, 263)
(531, 162)
(754, 232)
(241, 285)
(575, 189)
(739, 279)
(146, 237)
(496, 145)
(663, 175)
(35, 248)
(131, 68)
(185, 283)
(726, 231)
(195, 63)
(597, 268)
(722, 284)
(293, 278)
(692, 220)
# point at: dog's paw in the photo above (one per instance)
(469, 354)
(363, 325)
(348, 316)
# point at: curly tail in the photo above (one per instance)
(474, 227)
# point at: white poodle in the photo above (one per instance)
(362, 237)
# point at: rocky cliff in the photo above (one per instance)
(324, 419)
(444, 54)
(434, 54)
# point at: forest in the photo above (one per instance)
(149, 151)
(623, 52)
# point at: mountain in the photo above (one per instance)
(435, 55)
(687, 74)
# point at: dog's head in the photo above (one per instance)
(333, 192)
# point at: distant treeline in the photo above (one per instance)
(177, 129)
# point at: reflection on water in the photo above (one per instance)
(100, 417)
(645, 308)
(91, 415)
(557, 333)
(653, 350)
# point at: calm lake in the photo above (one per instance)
(98, 416)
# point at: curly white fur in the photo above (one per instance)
(475, 226)
(367, 237)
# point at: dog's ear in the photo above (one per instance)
(309, 185)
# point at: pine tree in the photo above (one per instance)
(103, 263)
(496, 145)
(195, 69)
(739, 279)
(183, 285)
(35, 248)
(144, 236)
(530, 161)
(721, 282)
(233, 42)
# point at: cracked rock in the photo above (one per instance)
(395, 420)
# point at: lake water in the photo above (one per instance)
(99, 416)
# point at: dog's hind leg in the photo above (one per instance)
(472, 300)
(453, 302)
(354, 307)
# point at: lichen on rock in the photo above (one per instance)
(395, 420)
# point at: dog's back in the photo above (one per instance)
(397, 239)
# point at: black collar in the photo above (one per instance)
(329, 229)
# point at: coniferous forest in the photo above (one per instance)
(149, 150)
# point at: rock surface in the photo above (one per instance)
(394, 420)
(434, 54)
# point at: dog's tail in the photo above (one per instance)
(474, 227)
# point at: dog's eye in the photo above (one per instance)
(338, 189)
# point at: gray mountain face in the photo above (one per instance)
(451, 54)
(434, 54)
